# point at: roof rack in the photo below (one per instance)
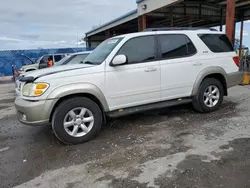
(179, 29)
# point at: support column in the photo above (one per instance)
(230, 17)
(172, 17)
(241, 37)
(200, 9)
(142, 23)
(221, 19)
(88, 42)
(107, 34)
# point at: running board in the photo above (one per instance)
(158, 105)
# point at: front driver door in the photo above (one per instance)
(44, 62)
(138, 81)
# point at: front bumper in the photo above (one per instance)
(234, 79)
(34, 113)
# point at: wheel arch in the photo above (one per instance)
(78, 90)
(211, 72)
(28, 70)
(87, 95)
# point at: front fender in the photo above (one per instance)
(79, 88)
(205, 72)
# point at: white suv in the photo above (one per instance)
(127, 74)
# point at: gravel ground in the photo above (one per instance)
(173, 147)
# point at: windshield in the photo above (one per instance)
(39, 60)
(72, 59)
(102, 51)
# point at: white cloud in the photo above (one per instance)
(7, 39)
(33, 24)
(59, 42)
(245, 33)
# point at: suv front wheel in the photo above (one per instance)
(210, 96)
(77, 120)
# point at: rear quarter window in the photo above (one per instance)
(217, 43)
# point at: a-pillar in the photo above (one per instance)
(142, 22)
(230, 17)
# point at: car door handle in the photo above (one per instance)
(151, 69)
(197, 64)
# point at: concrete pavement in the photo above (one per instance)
(173, 147)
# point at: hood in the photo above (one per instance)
(53, 70)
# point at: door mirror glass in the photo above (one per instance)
(119, 60)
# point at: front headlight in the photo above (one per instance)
(34, 89)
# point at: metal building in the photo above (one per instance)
(175, 13)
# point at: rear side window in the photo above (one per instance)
(58, 57)
(139, 50)
(217, 42)
(175, 46)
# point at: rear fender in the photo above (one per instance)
(206, 72)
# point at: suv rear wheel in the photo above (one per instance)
(210, 96)
(77, 120)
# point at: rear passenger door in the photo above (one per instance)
(178, 65)
(138, 81)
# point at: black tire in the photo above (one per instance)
(66, 106)
(198, 100)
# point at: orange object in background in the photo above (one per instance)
(246, 79)
(50, 61)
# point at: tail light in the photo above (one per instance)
(237, 61)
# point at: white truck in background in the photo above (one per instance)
(41, 63)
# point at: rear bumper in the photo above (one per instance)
(234, 79)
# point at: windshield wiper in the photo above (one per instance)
(87, 62)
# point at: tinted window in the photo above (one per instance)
(140, 49)
(58, 57)
(77, 59)
(173, 46)
(217, 42)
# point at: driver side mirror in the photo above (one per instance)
(119, 60)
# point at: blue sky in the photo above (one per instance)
(31, 24)
(246, 33)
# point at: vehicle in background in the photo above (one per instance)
(71, 59)
(74, 58)
(128, 74)
(41, 63)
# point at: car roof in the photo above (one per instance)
(79, 53)
(149, 32)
